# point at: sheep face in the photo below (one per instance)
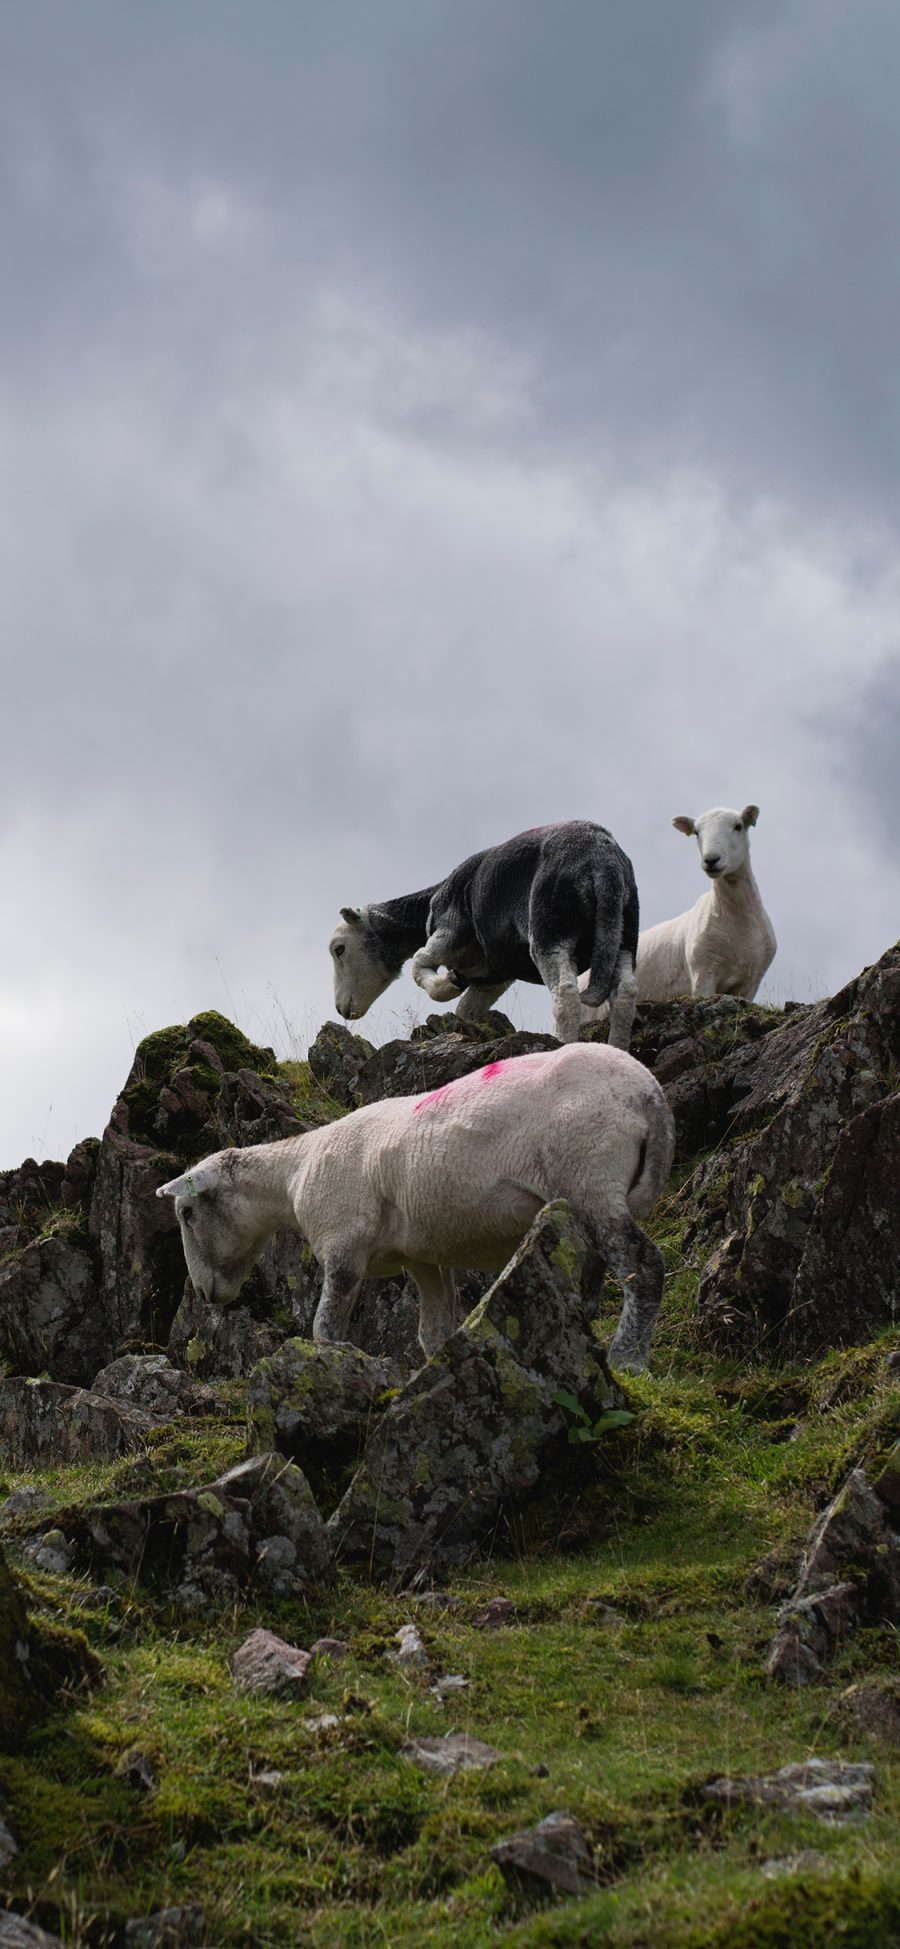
(219, 1229)
(723, 837)
(360, 975)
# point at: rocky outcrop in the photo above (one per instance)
(833, 1789)
(810, 1218)
(468, 1435)
(151, 1383)
(553, 1858)
(256, 1528)
(441, 1050)
(850, 1575)
(45, 1422)
(50, 1320)
(318, 1404)
(73, 1300)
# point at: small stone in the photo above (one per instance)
(500, 1610)
(831, 1788)
(266, 1663)
(50, 1552)
(459, 1752)
(330, 1648)
(322, 1722)
(447, 1683)
(555, 1855)
(410, 1651)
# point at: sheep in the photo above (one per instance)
(448, 1181)
(540, 908)
(725, 942)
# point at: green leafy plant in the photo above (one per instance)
(583, 1428)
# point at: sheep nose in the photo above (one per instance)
(711, 859)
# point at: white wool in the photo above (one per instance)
(725, 942)
(449, 1181)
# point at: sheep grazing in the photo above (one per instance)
(446, 1182)
(725, 942)
(540, 908)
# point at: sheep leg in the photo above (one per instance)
(622, 1002)
(438, 1305)
(344, 1275)
(638, 1266)
(479, 998)
(559, 974)
(425, 964)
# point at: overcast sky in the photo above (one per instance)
(422, 419)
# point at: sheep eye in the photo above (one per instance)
(739, 827)
(338, 951)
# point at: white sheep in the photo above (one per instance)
(725, 942)
(448, 1181)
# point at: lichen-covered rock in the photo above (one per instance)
(703, 1051)
(850, 1574)
(255, 1527)
(468, 1435)
(769, 1192)
(150, 1382)
(190, 1090)
(27, 1195)
(810, 1631)
(555, 1857)
(50, 1319)
(317, 1404)
(266, 1663)
(848, 1281)
(279, 1298)
(45, 1422)
(833, 1789)
(409, 1068)
(17, 1933)
(457, 1752)
(336, 1058)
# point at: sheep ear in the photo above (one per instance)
(204, 1177)
(683, 824)
(750, 815)
(353, 915)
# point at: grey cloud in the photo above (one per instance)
(686, 217)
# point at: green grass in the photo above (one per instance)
(633, 1673)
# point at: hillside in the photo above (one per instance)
(630, 1607)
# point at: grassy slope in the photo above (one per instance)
(660, 1523)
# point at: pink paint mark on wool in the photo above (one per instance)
(433, 1100)
(490, 1070)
